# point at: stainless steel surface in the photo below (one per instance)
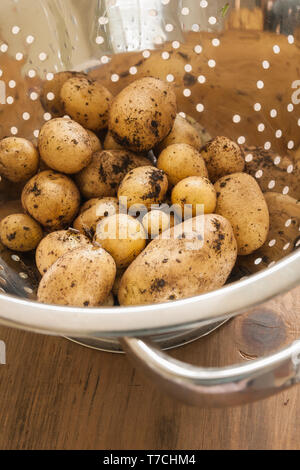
(40, 38)
(227, 386)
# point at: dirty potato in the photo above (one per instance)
(156, 222)
(143, 114)
(143, 186)
(222, 157)
(87, 102)
(110, 143)
(180, 161)
(80, 278)
(19, 232)
(52, 199)
(56, 244)
(93, 212)
(102, 177)
(65, 146)
(19, 159)
(240, 200)
(95, 141)
(187, 260)
(122, 236)
(182, 133)
(194, 194)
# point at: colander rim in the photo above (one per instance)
(146, 320)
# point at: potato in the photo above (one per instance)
(50, 96)
(20, 232)
(241, 201)
(87, 102)
(56, 244)
(95, 141)
(156, 222)
(143, 114)
(279, 171)
(52, 199)
(203, 133)
(104, 174)
(222, 157)
(182, 133)
(189, 259)
(65, 146)
(145, 186)
(80, 278)
(94, 211)
(117, 282)
(19, 159)
(180, 161)
(283, 237)
(111, 144)
(194, 191)
(122, 236)
(109, 301)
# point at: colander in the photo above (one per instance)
(235, 69)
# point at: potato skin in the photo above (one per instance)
(102, 177)
(20, 232)
(222, 157)
(180, 161)
(240, 200)
(56, 106)
(80, 278)
(19, 159)
(55, 245)
(87, 102)
(182, 133)
(143, 114)
(52, 199)
(144, 186)
(156, 222)
(110, 143)
(174, 267)
(122, 236)
(65, 146)
(95, 141)
(93, 212)
(194, 191)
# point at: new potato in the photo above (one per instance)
(80, 278)
(93, 212)
(20, 232)
(240, 200)
(187, 260)
(19, 159)
(196, 192)
(182, 133)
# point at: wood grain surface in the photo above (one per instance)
(57, 395)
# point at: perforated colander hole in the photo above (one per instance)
(188, 68)
(187, 92)
(200, 108)
(15, 258)
(169, 27)
(146, 54)
(43, 56)
(19, 56)
(115, 77)
(211, 63)
(33, 96)
(212, 20)
(201, 79)
(30, 39)
(170, 78)
(195, 28)
(236, 118)
(277, 160)
(26, 116)
(288, 222)
(261, 127)
(258, 174)
(278, 134)
(286, 246)
(290, 107)
(267, 145)
(28, 290)
(14, 130)
(12, 84)
(182, 114)
(36, 133)
(285, 190)
(31, 73)
(271, 184)
(15, 29)
(271, 264)
(47, 116)
(198, 49)
(23, 275)
(257, 107)
(203, 4)
(216, 42)
(2, 291)
(99, 40)
(266, 64)
(257, 261)
(249, 157)
(3, 281)
(291, 39)
(241, 140)
(273, 113)
(276, 49)
(272, 242)
(49, 76)
(291, 145)
(4, 47)
(175, 44)
(260, 84)
(50, 96)
(10, 100)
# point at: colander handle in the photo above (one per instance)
(217, 387)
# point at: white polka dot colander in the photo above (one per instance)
(235, 69)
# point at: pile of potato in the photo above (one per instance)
(88, 198)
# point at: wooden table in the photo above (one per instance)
(57, 395)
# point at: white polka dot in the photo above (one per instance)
(200, 107)
(30, 39)
(211, 63)
(188, 68)
(4, 48)
(42, 56)
(260, 84)
(12, 84)
(15, 29)
(26, 116)
(276, 49)
(175, 44)
(257, 107)
(273, 113)
(115, 77)
(278, 133)
(266, 64)
(241, 140)
(34, 96)
(165, 55)
(169, 27)
(212, 20)
(99, 40)
(198, 49)
(170, 77)
(187, 92)
(201, 79)
(14, 130)
(19, 56)
(133, 70)
(236, 118)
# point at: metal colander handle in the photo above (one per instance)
(217, 387)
